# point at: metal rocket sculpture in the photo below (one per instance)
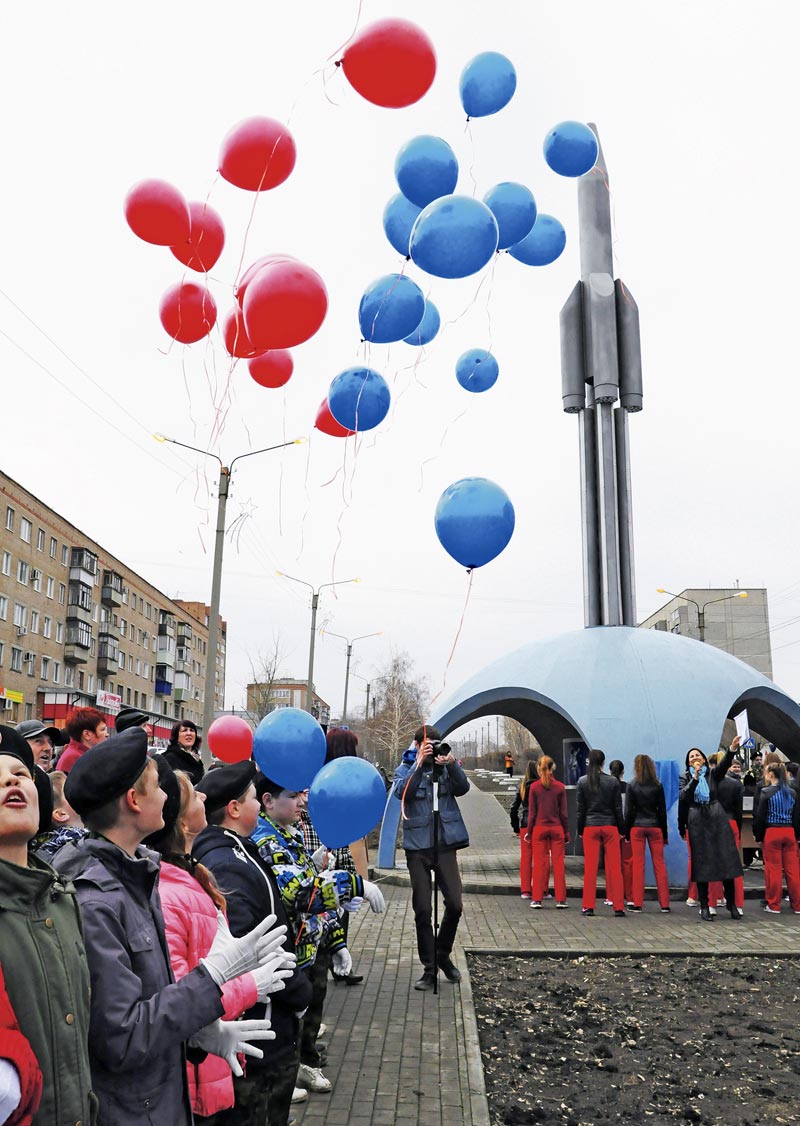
(601, 365)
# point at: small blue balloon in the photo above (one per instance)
(390, 309)
(571, 149)
(359, 398)
(543, 245)
(346, 801)
(426, 168)
(399, 216)
(474, 521)
(289, 747)
(487, 84)
(427, 327)
(454, 237)
(477, 370)
(514, 208)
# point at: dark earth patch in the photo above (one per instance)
(586, 1040)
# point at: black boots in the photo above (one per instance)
(427, 981)
(449, 970)
(705, 914)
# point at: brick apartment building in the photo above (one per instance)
(286, 692)
(80, 628)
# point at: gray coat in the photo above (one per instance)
(415, 790)
(140, 1016)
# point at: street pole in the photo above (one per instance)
(346, 681)
(213, 623)
(310, 687)
(366, 710)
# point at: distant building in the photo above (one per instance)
(287, 692)
(80, 628)
(721, 617)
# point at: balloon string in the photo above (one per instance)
(384, 299)
(435, 457)
(471, 573)
(468, 131)
(350, 36)
(308, 502)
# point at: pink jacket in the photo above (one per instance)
(190, 918)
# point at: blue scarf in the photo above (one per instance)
(701, 791)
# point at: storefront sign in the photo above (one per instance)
(17, 697)
(109, 702)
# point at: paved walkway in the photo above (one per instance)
(399, 1056)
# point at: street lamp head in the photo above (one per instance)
(742, 594)
(160, 438)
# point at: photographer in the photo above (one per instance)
(430, 764)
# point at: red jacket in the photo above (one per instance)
(70, 755)
(547, 806)
(16, 1049)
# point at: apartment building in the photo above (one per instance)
(80, 628)
(288, 692)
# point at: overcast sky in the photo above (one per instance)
(696, 107)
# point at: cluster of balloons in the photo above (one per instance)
(346, 796)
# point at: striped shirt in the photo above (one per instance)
(781, 807)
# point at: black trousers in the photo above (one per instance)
(730, 892)
(318, 976)
(420, 868)
(263, 1097)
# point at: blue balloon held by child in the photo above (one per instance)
(426, 168)
(454, 237)
(391, 308)
(427, 327)
(477, 370)
(571, 148)
(474, 521)
(487, 84)
(399, 216)
(346, 801)
(359, 398)
(289, 747)
(544, 243)
(514, 208)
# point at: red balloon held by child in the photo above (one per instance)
(272, 369)
(230, 739)
(188, 312)
(284, 305)
(201, 249)
(391, 63)
(157, 213)
(257, 154)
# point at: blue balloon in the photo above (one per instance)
(399, 216)
(477, 370)
(514, 208)
(571, 149)
(358, 398)
(427, 327)
(474, 521)
(487, 84)
(346, 801)
(289, 747)
(426, 168)
(544, 243)
(390, 309)
(454, 237)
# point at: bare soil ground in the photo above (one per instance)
(589, 1040)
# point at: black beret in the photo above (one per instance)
(44, 788)
(226, 783)
(106, 771)
(130, 717)
(168, 781)
(12, 743)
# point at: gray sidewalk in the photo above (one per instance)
(396, 1055)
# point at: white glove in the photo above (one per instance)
(353, 904)
(228, 1038)
(342, 962)
(10, 1092)
(319, 857)
(230, 957)
(374, 897)
(271, 975)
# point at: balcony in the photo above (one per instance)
(83, 566)
(183, 694)
(163, 688)
(184, 634)
(112, 589)
(75, 655)
(166, 625)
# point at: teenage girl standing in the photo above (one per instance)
(519, 826)
(600, 824)
(548, 831)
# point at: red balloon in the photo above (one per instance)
(230, 738)
(201, 250)
(328, 424)
(257, 154)
(188, 312)
(284, 305)
(254, 268)
(237, 342)
(157, 213)
(391, 63)
(272, 369)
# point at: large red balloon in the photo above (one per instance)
(390, 63)
(328, 424)
(234, 334)
(272, 369)
(188, 312)
(284, 305)
(157, 213)
(201, 250)
(257, 154)
(230, 738)
(253, 269)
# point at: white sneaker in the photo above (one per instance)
(312, 1078)
(692, 902)
(712, 910)
(769, 910)
(524, 895)
(536, 904)
(300, 1095)
(323, 1028)
(721, 903)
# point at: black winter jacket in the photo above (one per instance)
(602, 806)
(519, 811)
(730, 794)
(181, 759)
(647, 808)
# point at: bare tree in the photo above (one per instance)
(400, 706)
(518, 739)
(265, 673)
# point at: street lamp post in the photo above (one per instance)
(223, 488)
(701, 610)
(314, 604)
(350, 642)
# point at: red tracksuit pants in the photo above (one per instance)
(548, 844)
(595, 838)
(640, 838)
(525, 862)
(780, 855)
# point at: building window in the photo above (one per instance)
(51, 584)
(62, 593)
(56, 671)
(31, 663)
(64, 555)
(16, 659)
(22, 572)
(34, 621)
(9, 519)
(40, 540)
(20, 615)
(121, 661)
(59, 633)
(132, 633)
(3, 607)
(47, 627)
(25, 530)
(127, 696)
(95, 612)
(6, 562)
(135, 698)
(53, 547)
(81, 680)
(147, 610)
(91, 684)
(69, 676)
(36, 579)
(45, 668)
(133, 602)
(2, 652)
(130, 664)
(79, 633)
(138, 667)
